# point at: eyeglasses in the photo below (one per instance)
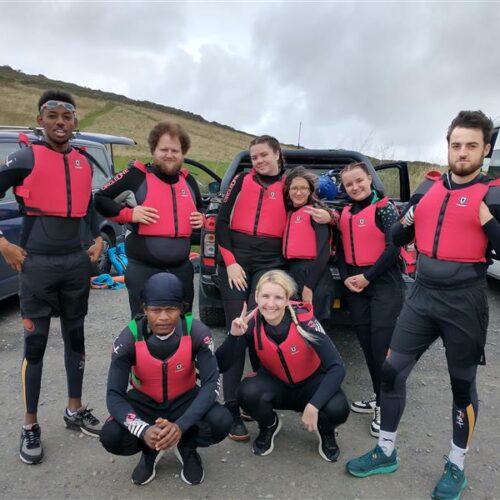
(297, 189)
(56, 104)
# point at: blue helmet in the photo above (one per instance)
(327, 189)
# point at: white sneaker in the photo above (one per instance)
(375, 425)
(364, 406)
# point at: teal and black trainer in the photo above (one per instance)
(451, 484)
(373, 462)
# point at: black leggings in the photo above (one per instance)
(465, 406)
(261, 394)
(36, 332)
(211, 429)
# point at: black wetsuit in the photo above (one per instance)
(448, 300)
(314, 273)
(200, 418)
(54, 281)
(148, 255)
(259, 394)
(374, 311)
(255, 254)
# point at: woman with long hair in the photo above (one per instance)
(300, 368)
(369, 267)
(306, 244)
(249, 233)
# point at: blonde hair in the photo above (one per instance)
(285, 281)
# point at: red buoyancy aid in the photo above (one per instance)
(362, 239)
(174, 203)
(299, 240)
(447, 224)
(60, 184)
(163, 380)
(292, 361)
(259, 210)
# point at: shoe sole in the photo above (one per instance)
(76, 427)
(271, 448)
(434, 497)
(183, 477)
(322, 454)
(237, 438)
(365, 411)
(31, 462)
(153, 475)
(384, 469)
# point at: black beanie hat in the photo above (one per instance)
(163, 289)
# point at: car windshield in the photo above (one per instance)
(99, 178)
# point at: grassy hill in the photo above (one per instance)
(212, 143)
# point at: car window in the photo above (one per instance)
(6, 148)
(99, 178)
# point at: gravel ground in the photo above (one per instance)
(76, 466)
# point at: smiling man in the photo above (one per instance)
(165, 408)
(162, 202)
(454, 219)
(53, 184)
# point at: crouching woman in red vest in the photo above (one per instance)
(165, 408)
(368, 265)
(306, 244)
(300, 370)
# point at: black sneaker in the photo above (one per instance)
(328, 447)
(238, 430)
(264, 443)
(31, 449)
(84, 421)
(145, 470)
(192, 469)
(365, 405)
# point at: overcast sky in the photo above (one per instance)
(382, 77)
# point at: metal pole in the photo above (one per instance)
(298, 140)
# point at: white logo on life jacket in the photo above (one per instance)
(179, 367)
(183, 192)
(298, 219)
(272, 195)
(462, 202)
(293, 349)
(77, 164)
(361, 222)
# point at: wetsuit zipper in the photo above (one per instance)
(285, 366)
(68, 186)
(257, 213)
(439, 225)
(174, 203)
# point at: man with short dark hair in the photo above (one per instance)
(454, 219)
(165, 408)
(53, 184)
(163, 204)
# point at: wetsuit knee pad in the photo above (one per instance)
(388, 377)
(461, 390)
(35, 347)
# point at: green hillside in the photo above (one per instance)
(212, 143)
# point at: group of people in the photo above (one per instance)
(274, 238)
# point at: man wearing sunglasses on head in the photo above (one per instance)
(52, 182)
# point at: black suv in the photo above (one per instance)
(100, 147)
(391, 179)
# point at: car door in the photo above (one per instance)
(208, 182)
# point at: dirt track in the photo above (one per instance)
(76, 466)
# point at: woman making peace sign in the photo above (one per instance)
(300, 370)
